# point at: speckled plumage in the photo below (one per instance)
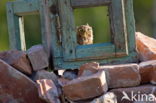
(84, 35)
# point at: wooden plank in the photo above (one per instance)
(130, 21)
(118, 25)
(89, 3)
(26, 8)
(68, 29)
(45, 25)
(13, 28)
(95, 51)
(132, 58)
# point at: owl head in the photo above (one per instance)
(84, 34)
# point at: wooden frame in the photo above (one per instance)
(122, 48)
(59, 36)
(73, 51)
(16, 11)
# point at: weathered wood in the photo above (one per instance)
(24, 8)
(89, 3)
(131, 58)
(68, 29)
(14, 29)
(119, 26)
(130, 23)
(45, 25)
(95, 51)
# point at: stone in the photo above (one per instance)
(146, 69)
(17, 59)
(70, 74)
(145, 47)
(88, 69)
(140, 94)
(43, 74)
(86, 87)
(38, 57)
(124, 75)
(15, 87)
(48, 91)
(109, 97)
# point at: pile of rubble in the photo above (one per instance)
(24, 78)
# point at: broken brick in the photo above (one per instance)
(86, 87)
(126, 75)
(145, 47)
(88, 69)
(15, 87)
(48, 91)
(17, 59)
(38, 57)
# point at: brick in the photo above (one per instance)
(15, 87)
(145, 47)
(126, 75)
(38, 57)
(153, 74)
(17, 59)
(146, 70)
(43, 74)
(48, 91)
(86, 87)
(88, 69)
(106, 98)
(62, 81)
(135, 94)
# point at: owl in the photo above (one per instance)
(84, 35)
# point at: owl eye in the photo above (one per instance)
(80, 30)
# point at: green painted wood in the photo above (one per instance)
(68, 29)
(45, 25)
(119, 27)
(130, 21)
(59, 34)
(95, 51)
(14, 29)
(89, 3)
(123, 28)
(22, 8)
(60, 64)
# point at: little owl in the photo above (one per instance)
(84, 35)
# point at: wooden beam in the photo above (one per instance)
(22, 8)
(89, 3)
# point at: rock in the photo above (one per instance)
(140, 94)
(17, 59)
(86, 87)
(70, 74)
(106, 98)
(43, 74)
(126, 75)
(15, 87)
(38, 57)
(145, 47)
(48, 91)
(88, 69)
(146, 69)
